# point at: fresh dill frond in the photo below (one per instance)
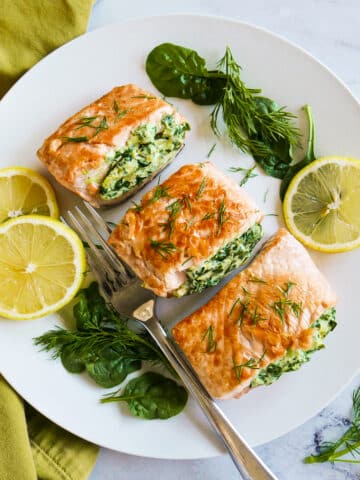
(208, 216)
(163, 248)
(75, 139)
(211, 343)
(222, 215)
(251, 363)
(347, 444)
(201, 188)
(210, 152)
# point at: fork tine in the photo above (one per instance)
(112, 258)
(101, 261)
(97, 218)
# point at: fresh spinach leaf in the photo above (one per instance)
(152, 396)
(309, 155)
(71, 361)
(180, 72)
(111, 370)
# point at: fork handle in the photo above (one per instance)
(250, 466)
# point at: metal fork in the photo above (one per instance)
(123, 290)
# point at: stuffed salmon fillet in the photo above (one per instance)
(189, 232)
(266, 321)
(112, 147)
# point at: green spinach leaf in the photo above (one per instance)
(309, 155)
(71, 361)
(152, 396)
(180, 72)
(109, 372)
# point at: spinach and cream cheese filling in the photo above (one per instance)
(149, 148)
(229, 257)
(293, 360)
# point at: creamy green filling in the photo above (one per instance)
(148, 149)
(228, 258)
(294, 359)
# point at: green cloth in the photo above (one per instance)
(31, 447)
(30, 29)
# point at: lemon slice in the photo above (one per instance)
(24, 191)
(322, 205)
(42, 265)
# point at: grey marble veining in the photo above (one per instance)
(330, 30)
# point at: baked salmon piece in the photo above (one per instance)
(115, 145)
(189, 232)
(266, 321)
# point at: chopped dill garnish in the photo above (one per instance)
(255, 316)
(221, 215)
(187, 202)
(201, 188)
(187, 260)
(286, 290)
(248, 173)
(246, 292)
(265, 195)
(163, 248)
(251, 363)
(159, 192)
(86, 122)
(147, 97)
(238, 300)
(280, 305)
(257, 280)
(121, 114)
(189, 223)
(103, 125)
(210, 152)
(116, 107)
(137, 206)
(75, 139)
(211, 343)
(208, 216)
(271, 214)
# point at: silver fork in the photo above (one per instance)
(123, 290)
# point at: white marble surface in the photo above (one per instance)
(329, 29)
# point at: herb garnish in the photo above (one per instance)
(103, 125)
(210, 152)
(251, 363)
(201, 188)
(208, 216)
(163, 248)
(257, 280)
(238, 300)
(265, 195)
(348, 443)
(187, 202)
(159, 192)
(221, 215)
(86, 122)
(147, 97)
(255, 124)
(248, 173)
(211, 343)
(137, 206)
(75, 139)
(309, 155)
(280, 305)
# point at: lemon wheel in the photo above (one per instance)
(42, 265)
(24, 191)
(322, 205)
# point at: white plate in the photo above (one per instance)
(88, 67)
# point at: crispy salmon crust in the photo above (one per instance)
(251, 319)
(81, 166)
(159, 246)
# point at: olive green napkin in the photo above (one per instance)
(31, 447)
(30, 29)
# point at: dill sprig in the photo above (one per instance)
(348, 443)
(222, 215)
(201, 188)
(251, 363)
(75, 139)
(163, 248)
(257, 280)
(86, 122)
(279, 307)
(159, 192)
(256, 125)
(210, 152)
(211, 343)
(103, 125)
(208, 216)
